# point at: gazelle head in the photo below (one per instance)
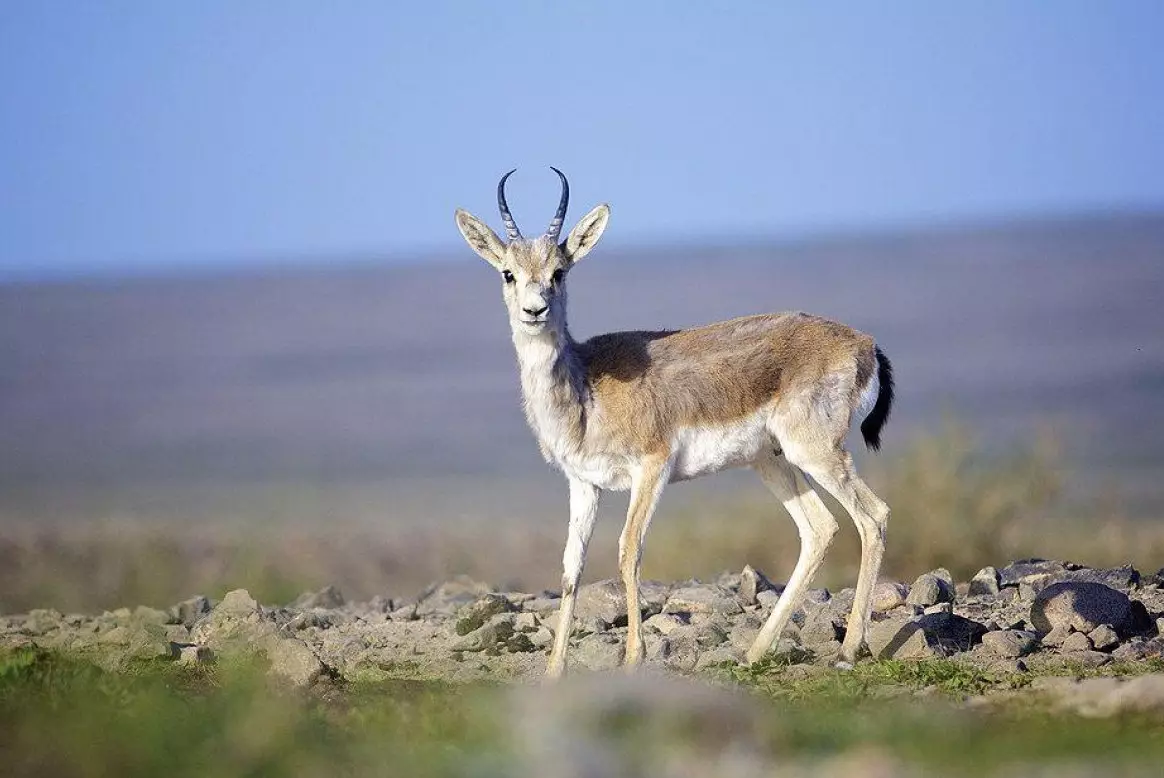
(533, 271)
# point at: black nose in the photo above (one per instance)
(535, 312)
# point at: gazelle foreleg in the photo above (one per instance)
(583, 512)
(646, 486)
(816, 526)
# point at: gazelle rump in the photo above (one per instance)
(638, 410)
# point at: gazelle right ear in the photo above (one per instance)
(481, 238)
(586, 233)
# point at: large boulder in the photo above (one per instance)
(1082, 606)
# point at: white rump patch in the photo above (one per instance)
(868, 398)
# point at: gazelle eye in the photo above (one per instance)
(507, 276)
(558, 276)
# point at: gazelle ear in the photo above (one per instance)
(481, 238)
(586, 233)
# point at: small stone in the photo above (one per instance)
(950, 632)
(752, 582)
(189, 611)
(328, 597)
(293, 661)
(664, 623)
(238, 602)
(899, 639)
(941, 607)
(191, 654)
(472, 616)
(519, 643)
(497, 630)
(767, 599)
(1076, 641)
(605, 600)
(984, 583)
(888, 595)
(1104, 638)
(598, 652)
(1033, 571)
(541, 637)
(718, 656)
(1056, 636)
(526, 622)
(928, 590)
(820, 626)
(702, 599)
(1011, 643)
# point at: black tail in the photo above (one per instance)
(875, 421)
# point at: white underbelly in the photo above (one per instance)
(605, 471)
(703, 450)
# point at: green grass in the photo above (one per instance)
(63, 716)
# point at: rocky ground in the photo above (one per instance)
(1017, 619)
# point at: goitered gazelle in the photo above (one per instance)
(637, 410)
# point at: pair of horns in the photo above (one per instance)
(555, 227)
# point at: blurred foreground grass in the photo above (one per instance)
(953, 506)
(60, 716)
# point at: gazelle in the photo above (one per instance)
(637, 410)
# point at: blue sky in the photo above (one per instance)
(147, 135)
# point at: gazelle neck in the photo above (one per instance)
(552, 387)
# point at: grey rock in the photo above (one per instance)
(1125, 577)
(767, 599)
(238, 602)
(817, 595)
(497, 630)
(928, 590)
(1076, 641)
(942, 574)
(1104, 638)
(541, 637)
(1010, 643)
(718, 656)
(1057, 635)
(526, 622)
(702, 599)
(888, 595)
(542, 605)
(144, 614)
(752, 582)
(1139, 648)
(292, 661)
(190, 611)
(951, 632)
(664, 623)
(447, 597)
(1035, 572)
(605, 600)
(598, 652)
(821, 626)
(191, 654)
(941, 607)
(472, 616)
(984, 583)
(327, 597)
(899, 638)
(1082, 605)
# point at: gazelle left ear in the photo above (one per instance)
(586, 233)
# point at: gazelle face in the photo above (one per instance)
(533, 283)
(533, 272)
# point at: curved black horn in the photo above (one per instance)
(559, 217)
(510, 225)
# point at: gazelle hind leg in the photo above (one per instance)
(836, 475)
(816, 526)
